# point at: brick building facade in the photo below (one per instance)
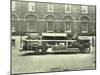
(41, 17)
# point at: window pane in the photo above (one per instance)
(50, 25)
(13, 25)
(84, 9)
(84, 27)
(67, 8)
(68, 26)
(13, 42)
(50, 8)
(31, 25)
(13, 5)
(31, 7)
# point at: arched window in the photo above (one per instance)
(84, 24)
(31, 23)
(13, 23)
(68, 21)
(50, 23)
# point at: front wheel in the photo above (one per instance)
(44, 51)
(40, 51)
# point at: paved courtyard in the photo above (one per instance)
(30, 63)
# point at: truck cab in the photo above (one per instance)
(33, 43)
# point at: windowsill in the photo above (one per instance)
(50, 31)
(67, 11)
(31, 31)
(31, 10)
(84, 12)
(50, 11)
(13, 31)
(68, 31)
(84, 32)
(13, 9)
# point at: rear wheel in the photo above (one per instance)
(87, 50)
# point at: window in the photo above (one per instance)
(84, 27)
(84, 24)
(31, 19)
(67, 26)
(50, 23)
(50, 8)
(13, 5)
(13, 42)
(67, 8)
(68, 20)
(31, 7)
(50, 26)
(13, 22)
(31, 25)
(84, 9)
(13, 26)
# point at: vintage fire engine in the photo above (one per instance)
(58, 42)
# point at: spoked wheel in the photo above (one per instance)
(44, 51)
(40, 51)
(87, 50)
(36, 52)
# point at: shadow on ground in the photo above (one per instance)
(49, 53)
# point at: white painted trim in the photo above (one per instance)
(49, 15)
(53, 20)
(15, 15)
(54, 40)
(54, 34)
(84, 31)
(28, 15)
(69, 31)
(86, 16)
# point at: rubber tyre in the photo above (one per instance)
(44, 51)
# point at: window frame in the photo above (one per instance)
(13, 42)
(13, 25)
(65, 25)
(50, 28)
(84, 8)
(50, 7)
(13, 5)
(86, 30)
(70, 9)
(30, 6)
(31, 26)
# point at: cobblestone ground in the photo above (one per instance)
(29, 63)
